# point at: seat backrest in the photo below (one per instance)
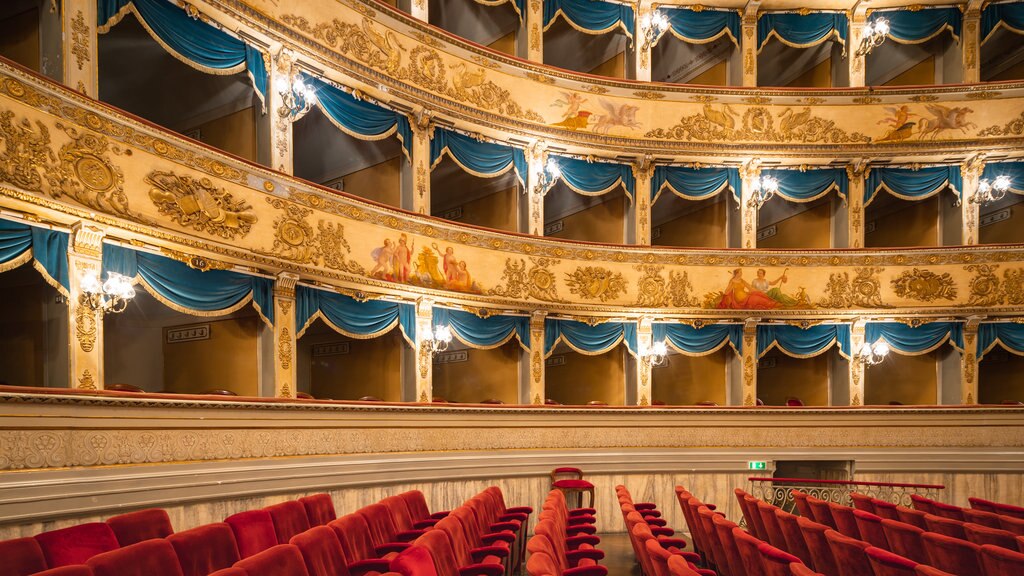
(802, 570)
(771, 525)
(232, 571)
(76, 544)
(319, 509)
(566, 472)
(982, 535)
(886, 563)
(413, 561)
(677, 566)
(982, 504)
(870, 527)
(437, 543)
(926, 570)
(641, 534)
(800, 499)
(417, 504)
(378, 518)
(254, 531)
(289, 519)
(999, 561)
(989, 519)
(154, 557)
(717, 550)
(947, 511)
(817, 545)
(354, 535)
(758, 528)
(21, 557)
(400, 515)
(141, 525)
(658, 555)
(205, 549)
(947, 526)
(953, 554)
(723, 529)
(321, 552)
(747, 546)
(905, 540)
(1015, 525)
(71, 570)
(775, 562)
(849, 553)
(821, 512)
(846, 524)
(794, 538)
(280, 560)
(862, 502)
(458, 538)
(547, 529)
(540, 564)
(744, 507)
(912, 516)
(885, 509)
(923, 504)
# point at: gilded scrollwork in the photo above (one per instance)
(84, 173)
(924, 285)
(87, 381)
(864, 290)
(1014, 127)
(196, 262)
(199, 204)
(757, 124)
(26, 148)
(297, 241)
(654, 291)
(284, 349)
(596, 282)
(536, 281)
(80, 39)
(984, 285)
(85, 324)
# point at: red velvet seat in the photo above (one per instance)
(846, 524)
(870, 527)
(800, 499)
(280, 560)
(757, 529)
(905, 540)
(953, 554)
(886, 509)
(797, 569)
(982, 504)
(141, 525)
(147, 558)
(849, 554)
(947, 511)
(479, 536)
(76, 544)
(421, 514)
(817, 545)
(414, 561)
(862, 502)
(748, 514)
(382, 529)
(989, 519)
(658, 555)
(321, 552)
(679, 567)
(401, 517)
(886, 563)
(254, 531)
(232, 571)
(999, 561)
(795, 544)
(21, 556)
(564, 559)
(438, 544)
(926, 570)
(465, 546)
(982, 535)
(912, 517)
(319, 509)
(69, 570)
(289, 519)
(926, 505)
(540, 564)
(354, 535)
(205, 549)
(719, 556)
(747, 545)
(1015, 525)
(947, 526)
(771, 525)
(821, 512)
(774, 561)
(570, 481)
(733, 560)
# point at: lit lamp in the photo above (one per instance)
(110, 297)
(652, 25)
(296, 97)
(439, 339)
(655, 355)
(548, 176)
(874, 34)
(871, 355)
(991, 191)
(764, 189)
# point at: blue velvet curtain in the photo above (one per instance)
(1013, 170)
(801, 31)
(798, 186)
(698, 341)
(909, 27)
(803, 343)
(357, 118)
(913, 341)
(49, 251)
(1009, 334)
(483, 159)
(589, 339)
(695, 184)
(489, 332)
(704, 26)
(201, 45)
(910, 184)
(351, 317)
(189, 290)
(518, 5)
(1009, 15)
(591, 16)
(594, 178)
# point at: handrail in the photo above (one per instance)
(779, 491)
(851, 482)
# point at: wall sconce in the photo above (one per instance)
(651, 27)
(872, 355)
(764, 189)
(110, 297)
(991, 191)
(439, 339)
(655, 355)
(874, 34)
(548, 176)
(296, 97)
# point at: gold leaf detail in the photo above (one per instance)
(200, 205)
(595, 282)
(924, 285)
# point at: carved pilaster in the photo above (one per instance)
(970, 42)
(536, 157)
(420, 9)
(422, 131)
(856, 62)
(535, 31)
(424, 356)
(969, 363)
(642, 53)
(79, 56)
(85, 325)
(970, 171)
(537, 391)
(750, 171)
(285, 335)
(856, 368)
(644, 382)
(643, 172)
(282, 71)
(856, 173)
(748, 44)
(750, 362)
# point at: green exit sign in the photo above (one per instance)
(757, 465)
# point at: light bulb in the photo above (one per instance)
(90, 282)
(1002, 183)
(880, 348)
(553, 170)
(659, 349)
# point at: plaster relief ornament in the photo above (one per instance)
(200, 205)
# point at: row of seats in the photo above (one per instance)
(655, 546)
(563, 541)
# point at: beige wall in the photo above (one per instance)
(506, 44)
(704, 228)
(809, 229)
(917, 224)
(818, 77)
(380, 182)
(601, 223)
(614, 67)
(499, 211)
(488, 374)
(688, 380)
(717, 75)
(234, 133)
(906, 379)
(803, 378)
(1009, 231)
(23, 334)
(584, 378)
(227, 361)
(1015, 72)
(920, 74)
(1000, 377)
(19, 38)
(373, 367)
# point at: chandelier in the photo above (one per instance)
(652, 25)
(548, 176)
(655, 355)
(110, 297)
(874, 34)
(439, 339)
(872, 355)
(764, 189)
(296, 97)
(991, 191)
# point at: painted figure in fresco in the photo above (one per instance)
(573, 118)
(451, 263)
(384, 257)
(740, 295)
(403, 259)
(773, 288)
(463, 281)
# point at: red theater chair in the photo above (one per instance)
(70, 570)
(947, 511)
(744, 508)
(862, 502)
(886, 563)
(926, 570)
(820, 512)
(912, 517)
(382, 528)
(771, 525)
(148, 558)
(466, 549)
(999, 561)
(947, 526)
(478, 536)
(254, 531)
(757, 529)
(733, 561)
(817, 545)
(846, 523)
(797, 569)
(747, 546)
(870, 527)
(140, 525)
(795, 543)
(422, 517)
(289, 519)
(76, 544)
(710, 536)
(982, 535)
(280, 560)
(402, 519)
(21, 557)
(570, 481)
(438, 544)
(543, 565)
(414, 561)
(905, 540)
(989, 519)
(926, 505)
(953, 554)
(886, 509)
(205, 549)
(800, 499)
(354, 535)
(232, 571)
(849, 555)
(321, 552)
(564, 559)
(319, 509)
(1015, 525)
(776, 562)
(679, 567)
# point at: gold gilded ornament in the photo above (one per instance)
(198, 204)
(924, 285)
(757, 124)
(537, 281)
(284, 349)
(595, 282)
(863, 291)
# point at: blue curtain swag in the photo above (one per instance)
(914, 341)
(802, 30)
(695, 183)
(481, 159)
(800, 342)
(484, 333)
(589, 340)
(358, 118)
(518, 5)
(807, 186)
(591, 16)
(1008, 15)
(46, 249)
(910, 184)
(1013, 170)
(701, 26)
(189, 39)
(691, 341)
(353, 318)
(595, 178)
(1008, 335)
(919, 26)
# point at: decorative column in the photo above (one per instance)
(420, 10)
(642, 53)
(85, 324)
(537, 392)
(969, 362)
(535, 31)
(285, 335)
(856, 173)
(856, 63)
(856, 368)
(282, 71)
(536, 157)
(748, 44)
(971, 39)
(970, 171)
(643, 171)
(750, 172)
(750, 362)
(79, 52)
(424, 355)
(422, 131)
(644, 341)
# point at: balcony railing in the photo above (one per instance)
(779, 491)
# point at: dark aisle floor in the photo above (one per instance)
(618, 555)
